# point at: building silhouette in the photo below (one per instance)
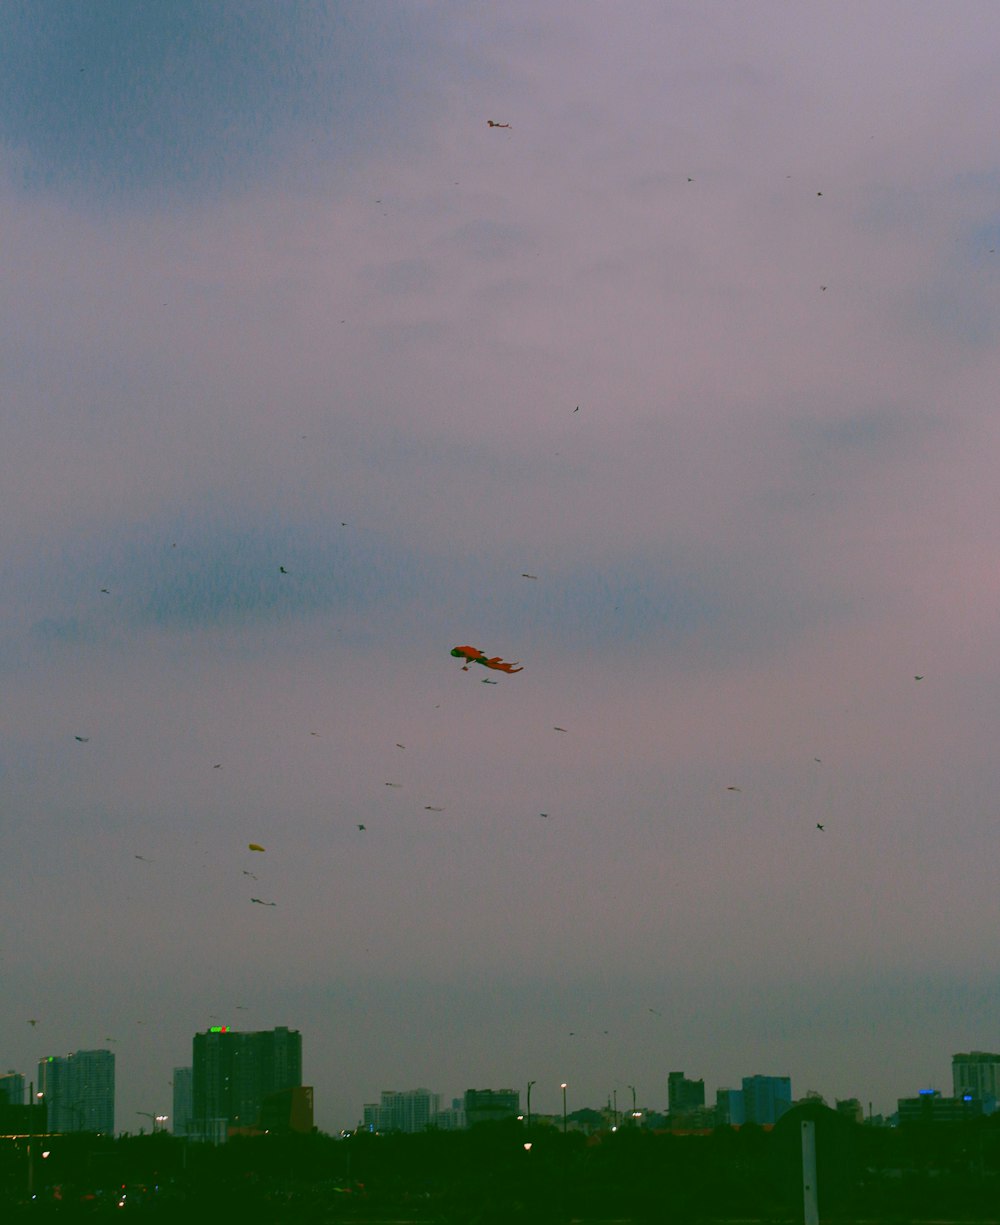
(11, 1089)
(684, 1095)
(766, 1098)
(729, 1107)
(183, 1101)
(288, 1110)
(407, 1110)
(976, 1075)
(491, 1105)
(78, 1091)
(930, 1107)
(233, 1072)
(851, 1108)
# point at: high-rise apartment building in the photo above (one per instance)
(684, 1095)
(11, 1089)
(233, 1072)
(766, 1098)
(408, 1110)
(976, 1075)
(729, 1107)
(78, 1091)
(183, 1102)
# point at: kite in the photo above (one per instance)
(261, 902)
(254, 846)
(475, 656)
(493, 124)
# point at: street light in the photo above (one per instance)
(632, 1087)
(563, 1087)
(530, 1083)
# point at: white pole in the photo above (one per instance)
(810, 1206)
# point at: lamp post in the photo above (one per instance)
(530, 1083)
(563, 1087)
(632, 1087)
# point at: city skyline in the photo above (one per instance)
(972, 1072)
(355, 352)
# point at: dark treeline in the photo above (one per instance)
(486, 1175)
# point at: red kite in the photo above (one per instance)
(475, 656)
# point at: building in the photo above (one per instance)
(766, 1098)
(683, 1095)
(78, 1091)
(11, 1089)
(183, 1101)
(851, 1108)
(976, 1075)
(288, 1110)
(930, 1107)
(491, 1105)
(451, 1118)
(16, 1118)
(233, 1072)
(729, 1110)
(406, 1110)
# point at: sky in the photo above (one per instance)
(306, 368)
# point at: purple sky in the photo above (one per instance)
(275, 295)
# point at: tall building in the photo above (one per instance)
(729, 1107)
(233, 1072)
(766, 1098)
(408, 1110)
(11, 1089)
(684, 1095)
(183, 1101)
(976, 1075)
(78, 1091)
